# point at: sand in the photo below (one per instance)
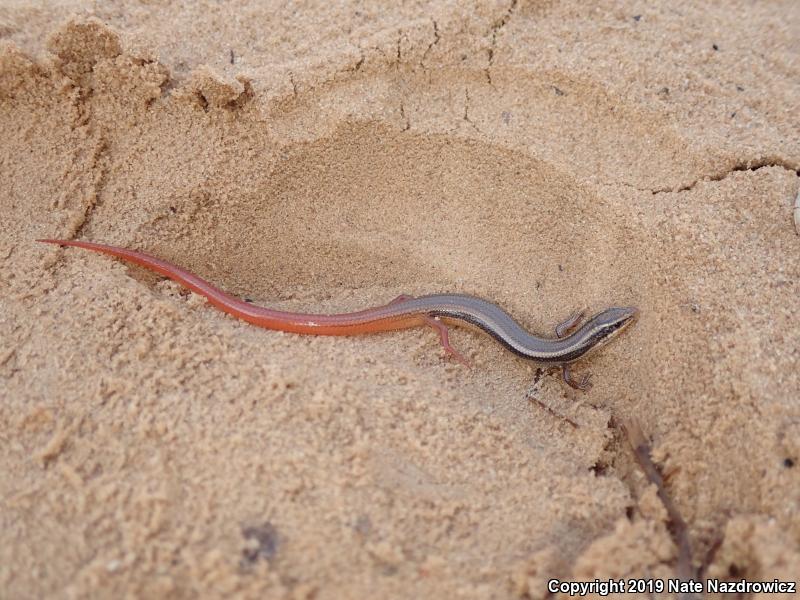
(544, 155)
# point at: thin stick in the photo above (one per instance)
(677, 526)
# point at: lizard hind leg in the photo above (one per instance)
(444, 337)
(400, 299)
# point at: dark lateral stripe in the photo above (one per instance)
(472, 319)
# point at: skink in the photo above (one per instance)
(573, 341)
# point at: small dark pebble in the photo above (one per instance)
(715, 47)
(267, 537)
(788, 463)
(363, 525)
(637, 17)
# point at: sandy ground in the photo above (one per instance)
(545, 155)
